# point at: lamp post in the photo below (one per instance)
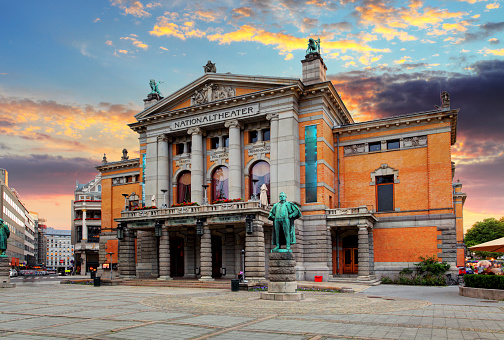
(254, 194)
(110, 253)
(164, 198)
(125, 201)
(205, 200)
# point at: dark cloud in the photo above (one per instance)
(484, 31)
(478, 95)
(309, 23)
(47, 175)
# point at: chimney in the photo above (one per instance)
(4, 177)
(314, 69)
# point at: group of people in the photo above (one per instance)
(492, 269)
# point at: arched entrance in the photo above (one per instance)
(176, 256)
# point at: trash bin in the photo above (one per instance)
(318, 278)
(97, 281)
(93, 274)
(235, 285)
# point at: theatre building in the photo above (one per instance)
(374, 195)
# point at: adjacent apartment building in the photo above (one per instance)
(86, 225)
(375, 195)
(59, 251)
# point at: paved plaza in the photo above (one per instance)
(43, 309)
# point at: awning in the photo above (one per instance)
(494, 246)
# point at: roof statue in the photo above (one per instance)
(445, 100)
(104, 160)
(209, 67)
(313, 46)
(154, 87)
(125, 156)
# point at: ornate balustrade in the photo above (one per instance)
(195, 210)
(363, 209)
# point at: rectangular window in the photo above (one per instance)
(385, 193)
(311, 163)
(179, 149)
(214, 143)
(252, 136)
(225, 141)
(375, 146)
(393, 144)
(266, 134)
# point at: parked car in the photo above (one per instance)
(469, 270)
(13, 273)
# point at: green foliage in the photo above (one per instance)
(429, 272)
(488, 230)
(484, 281)
(431, 266)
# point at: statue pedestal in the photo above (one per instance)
(282, 276)
(5, 273)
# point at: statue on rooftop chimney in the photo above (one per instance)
(313, 46)
(210, 67)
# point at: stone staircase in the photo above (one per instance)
(217, 284)
(349, 278)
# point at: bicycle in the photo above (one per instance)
(450, 281)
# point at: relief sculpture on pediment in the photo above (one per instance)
(210, 93)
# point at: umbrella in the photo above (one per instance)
(263, 197)
(484, 263)
(494, 246)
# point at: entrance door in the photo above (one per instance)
(176, 257)
(350, 261)
(216, 256)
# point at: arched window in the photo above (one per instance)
(184, 187)
(261, 172)
(220, 183)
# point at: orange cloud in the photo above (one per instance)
(135, 8)
(487, 51)
(136, 42)
(165, 27)
(242, 12)
(285, 42)
(495, 5)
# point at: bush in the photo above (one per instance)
(429, 272)
(484, 281)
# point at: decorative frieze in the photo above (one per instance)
(415, 141)
(218, 155)
(263, 149)
(212, 92)
(183, 161)
(355, 149)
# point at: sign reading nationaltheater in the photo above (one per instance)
(215, 117)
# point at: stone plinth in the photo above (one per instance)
(282, 276)
(5, 273)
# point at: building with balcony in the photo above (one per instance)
(374, 195)
(59, 251)
(86, 225)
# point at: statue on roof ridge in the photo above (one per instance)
(210, 67)
(154, 87)
(313, 46)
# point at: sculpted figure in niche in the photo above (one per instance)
(283, 215)
(4, 235)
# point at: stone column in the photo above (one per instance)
(363, 248)
(196, 164)
(235, 158)
(273, 118)
(151, 170)
(83, 263)
(164, 256)
(206, 255)
(163, 181)
(84, 227)
(254, 253)
(371, 254)
(127, 265)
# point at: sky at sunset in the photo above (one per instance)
(73, 74)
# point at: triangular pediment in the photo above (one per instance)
(214, 87)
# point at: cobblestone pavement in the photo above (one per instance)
(32, 312)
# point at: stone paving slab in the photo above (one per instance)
(122, 312)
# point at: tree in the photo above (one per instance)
(481, 232)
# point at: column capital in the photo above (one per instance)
(163, 138)
(234, 123)
(195, 131)
(272, 116)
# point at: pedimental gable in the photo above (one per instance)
(212, 88)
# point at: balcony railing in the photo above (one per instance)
(363, 209)
(87, 205)
(194, 210)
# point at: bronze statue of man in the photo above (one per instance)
(4, 235)
(283, 215)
